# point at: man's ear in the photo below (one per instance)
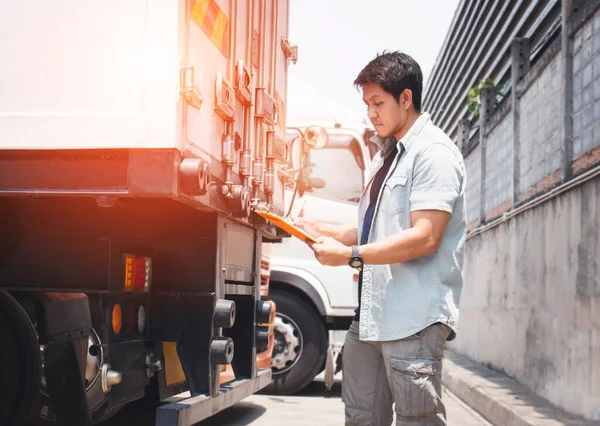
(406, 98)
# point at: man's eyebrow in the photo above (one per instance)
(370, 99)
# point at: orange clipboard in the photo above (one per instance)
(280, 222)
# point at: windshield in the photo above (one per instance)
(340, 171)
(340, 165)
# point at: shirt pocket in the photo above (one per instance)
(396, 192)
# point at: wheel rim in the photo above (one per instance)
(288, 344)
(93, 365)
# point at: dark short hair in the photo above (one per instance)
(395, 72)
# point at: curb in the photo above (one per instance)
(499, 399)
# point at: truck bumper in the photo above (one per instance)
(183, 410)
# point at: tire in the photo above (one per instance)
(20, 363)
(299, 323)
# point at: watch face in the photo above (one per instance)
(355, 263)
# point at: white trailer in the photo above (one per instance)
(136, 137)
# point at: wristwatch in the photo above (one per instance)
(356, 261)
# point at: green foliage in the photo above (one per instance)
(473, 99)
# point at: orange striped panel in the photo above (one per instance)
(212, 20)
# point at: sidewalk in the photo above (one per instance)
(499, 399)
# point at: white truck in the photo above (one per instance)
(316, 303)
(135, 140)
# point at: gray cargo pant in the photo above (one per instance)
(406, 372)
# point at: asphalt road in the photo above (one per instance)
(313, 406)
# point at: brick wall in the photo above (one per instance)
(541, 143)
(586, 95)
(499, 170)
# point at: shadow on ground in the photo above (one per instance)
(317, 388)
(143, 412)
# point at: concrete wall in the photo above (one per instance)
(530, 305)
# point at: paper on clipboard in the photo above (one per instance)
(280, 222)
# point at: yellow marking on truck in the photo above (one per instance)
(173, 369)
(281, 110)
(212, 20)
(219, 29)
(227, 374)
(199, 11)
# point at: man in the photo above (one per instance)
(408, 245)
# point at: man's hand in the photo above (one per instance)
(345, 233)
(309, 225)
(330, 252)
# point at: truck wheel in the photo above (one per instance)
(300, 344)
(20, 363)
(98, 403)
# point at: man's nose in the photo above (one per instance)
(371, 113)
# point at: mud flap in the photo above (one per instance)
(333, 358)
(65, 381)
(65, 330)
(329, 368)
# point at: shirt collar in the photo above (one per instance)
(408, 139)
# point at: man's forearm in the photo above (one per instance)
(422, 239)
(406, 245)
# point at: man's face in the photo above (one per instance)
(387, 115)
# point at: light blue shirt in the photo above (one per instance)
(400, 299)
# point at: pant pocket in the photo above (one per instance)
(413, 382)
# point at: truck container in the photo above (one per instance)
(136, 139)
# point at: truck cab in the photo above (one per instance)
(316, 303)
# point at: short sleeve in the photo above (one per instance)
(437, 179)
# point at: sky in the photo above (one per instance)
(337, 38)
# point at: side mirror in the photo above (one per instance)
(313, 137)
